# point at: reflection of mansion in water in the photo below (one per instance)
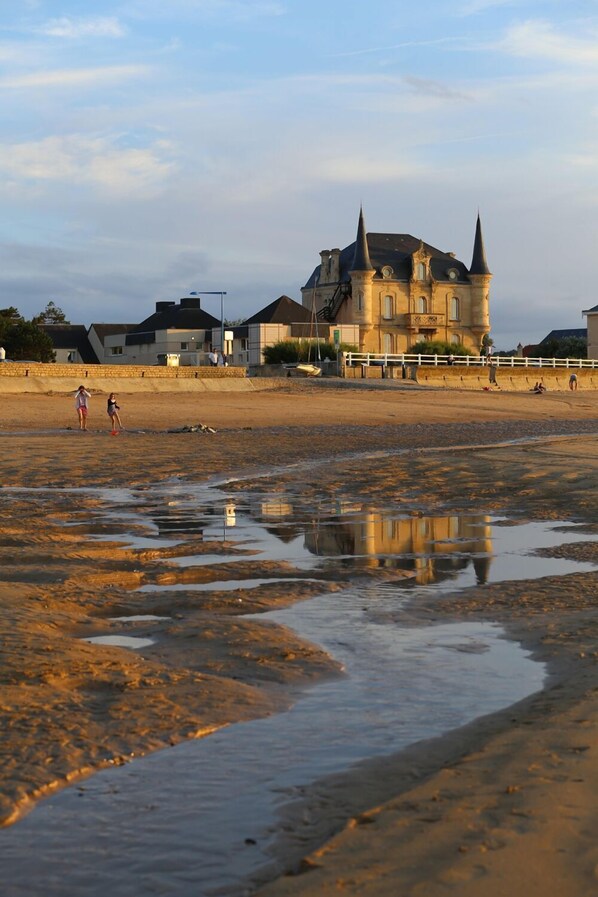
(434, 548)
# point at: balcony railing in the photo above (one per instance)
(424, 320)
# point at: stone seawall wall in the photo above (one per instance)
(118, 371)
(478, 376)
(40, 378)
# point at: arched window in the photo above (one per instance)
(421, 271)
(387, 343)
(387, 307)
(455, 315)
(455, 339)
(422, 305)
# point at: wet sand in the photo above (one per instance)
(509, 800)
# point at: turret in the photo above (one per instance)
(362, 273)
(480, 277)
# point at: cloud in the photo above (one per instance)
(429, 88)
(229, 9)
(538, 39)
(476, 6)
(78, 28)
(73, 77)
(81, 161)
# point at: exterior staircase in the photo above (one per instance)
(329, 311)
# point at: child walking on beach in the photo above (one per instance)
(113, 410)
(81, 404)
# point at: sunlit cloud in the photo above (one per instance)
(73, 77)
(537, 39)
(106, 26)
(86, 161)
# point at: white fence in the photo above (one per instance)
(354, 359)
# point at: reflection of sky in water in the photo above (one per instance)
(120, 641)
(178, 819)
(183, 815)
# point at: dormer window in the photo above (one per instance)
(421, 271)
(387, 272)
(453, 274)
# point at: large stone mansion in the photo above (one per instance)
(400, 290)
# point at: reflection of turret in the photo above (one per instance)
(482, 569)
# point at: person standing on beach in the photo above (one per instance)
(113, 410)
(81, 404)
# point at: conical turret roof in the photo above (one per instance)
(361, 259)
(479, 265)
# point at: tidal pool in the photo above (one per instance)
(201, 819)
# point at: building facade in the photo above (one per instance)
(400, 290)
(592, 317)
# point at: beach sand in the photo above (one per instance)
(506, 805)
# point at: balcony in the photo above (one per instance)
(426, 321)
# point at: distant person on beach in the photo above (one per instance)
(213, 358)
(573, 382)
(81, 404)
(113, 410)
(222, 360)
(539, 387)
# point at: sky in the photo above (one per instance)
(151, 148)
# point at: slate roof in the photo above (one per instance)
(104, 330)
(361, 258)
(589, 311)
(479, 264)
(396, 250)
(283, 310)
(183, 316)
(580, 332)
(71, 337)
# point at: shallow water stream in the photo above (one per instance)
(201, 818)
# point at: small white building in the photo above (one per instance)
(281, 320)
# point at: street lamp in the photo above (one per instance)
(222, 294)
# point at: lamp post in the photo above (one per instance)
(222, 294)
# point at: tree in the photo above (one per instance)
(51, 314)
(566, 347)
(24, 341)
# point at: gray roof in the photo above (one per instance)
(187, 315)
(361, 257)
(589, 311)
(104, 330)
(580, 332)
(479, 265)
(395, 250)
(283, 310)
(71, 337)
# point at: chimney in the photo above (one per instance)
(190, 302)
(162, 306)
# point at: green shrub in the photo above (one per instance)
(437, 347)
(297, 350)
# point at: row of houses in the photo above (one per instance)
(182, 331)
